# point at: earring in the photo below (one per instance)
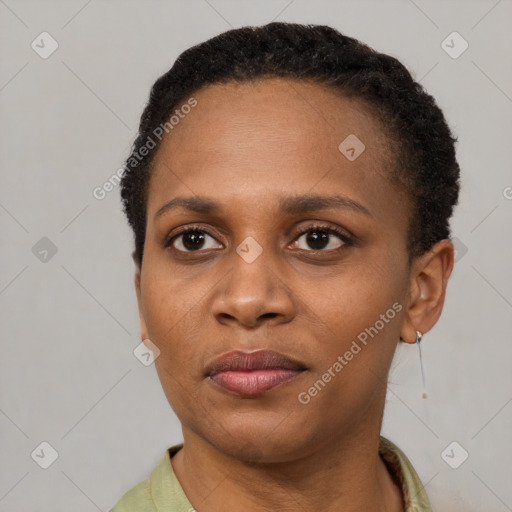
(419, 337)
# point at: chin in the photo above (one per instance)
(258, 440)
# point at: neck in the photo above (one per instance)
(346, 474)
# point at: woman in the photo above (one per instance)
(290, 192)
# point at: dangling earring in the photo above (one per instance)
(419, 336)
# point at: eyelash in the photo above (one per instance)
(347, 240)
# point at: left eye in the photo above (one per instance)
(320, 238)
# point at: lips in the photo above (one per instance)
(252, 373)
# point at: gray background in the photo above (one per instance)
(68, 375)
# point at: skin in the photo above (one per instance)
(247, 146)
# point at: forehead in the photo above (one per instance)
(274, 110)
(268, 135)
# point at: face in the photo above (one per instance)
(322, 283)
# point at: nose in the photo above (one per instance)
(252, 294)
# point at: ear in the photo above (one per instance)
(142, 320)
(428, 281)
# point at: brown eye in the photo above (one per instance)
(192, 240)
(322, 238)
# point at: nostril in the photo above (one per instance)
(226, 316)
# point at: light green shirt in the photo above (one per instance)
(162, 492)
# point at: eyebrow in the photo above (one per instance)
(290, 205)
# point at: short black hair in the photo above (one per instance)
(424, 158)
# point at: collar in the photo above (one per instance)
(165, 488)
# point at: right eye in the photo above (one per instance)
(190, 240)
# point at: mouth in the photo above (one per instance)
(252, 373)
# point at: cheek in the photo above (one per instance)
(169, 319)
(169, 312)
(349, 377)
(359, 316)
(355, 299)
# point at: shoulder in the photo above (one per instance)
(161, 492)
(400, 467)
(144, 496)
(137, 498)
